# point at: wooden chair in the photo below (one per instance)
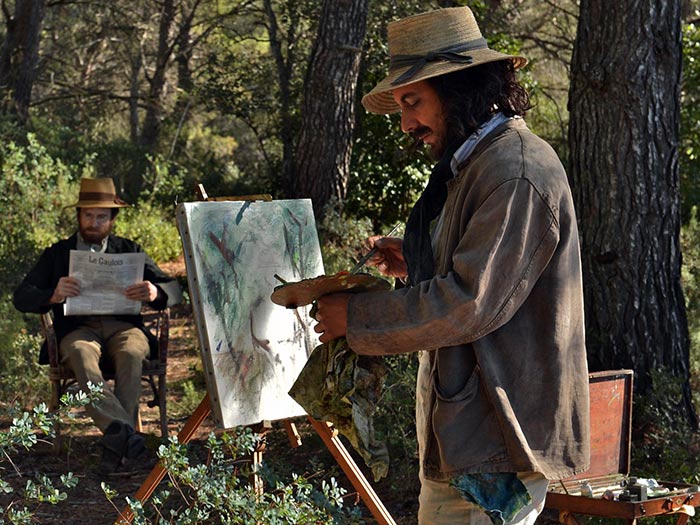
(154, 368)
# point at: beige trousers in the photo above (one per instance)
(126, 346)
(440, 504)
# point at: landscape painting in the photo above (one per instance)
(252, 349)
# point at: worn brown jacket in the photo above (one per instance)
(502, 318)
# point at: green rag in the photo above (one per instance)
(339, 386)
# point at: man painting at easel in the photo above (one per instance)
(494, 299)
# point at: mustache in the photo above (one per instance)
(415, 144)
(418, 134)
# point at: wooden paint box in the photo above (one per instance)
(611, 423)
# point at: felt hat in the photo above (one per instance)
(98, 193)
(428, 45)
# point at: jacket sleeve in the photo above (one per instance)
(35, 290)
(506, 245)
(155, 275)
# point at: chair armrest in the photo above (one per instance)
(50, 335)
(159, 323)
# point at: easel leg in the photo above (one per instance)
(292, 434)
(354, 474)
(257, 457)
(158, 472)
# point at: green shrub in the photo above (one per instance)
(665, 447)
(34, 188)
(341, 238)
(153, 228)
(24, 432)
(151, 222)
(395, 420)
(19, 357)
(690, 277)
(220, 491)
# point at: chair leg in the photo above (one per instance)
(53, 408)
(139, 425)
(162, 399)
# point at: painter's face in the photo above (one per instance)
(422, 115)
(95, 224)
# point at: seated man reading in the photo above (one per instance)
(84, 339)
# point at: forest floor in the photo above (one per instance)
(81, 452)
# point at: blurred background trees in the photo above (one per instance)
(262, 96)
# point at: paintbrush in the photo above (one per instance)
(370, 253)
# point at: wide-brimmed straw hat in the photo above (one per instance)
(98, 193)
(428, 45)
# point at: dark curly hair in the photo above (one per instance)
(470, 96)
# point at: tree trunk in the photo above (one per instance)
(154, 105)
(624, 136)
(284, 73)
(325, 140)
(19, 56)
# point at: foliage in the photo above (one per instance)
(34, 187)
(19, 363)
(150, 223)
(341, 238)
(26, 429)
(261, 94)
(689, 150)
(664, 446)
(395, 415)
(690, 278)
(220, 491)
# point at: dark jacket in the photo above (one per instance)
(502, 319)
(34, 292)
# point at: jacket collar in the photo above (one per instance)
(489, 138)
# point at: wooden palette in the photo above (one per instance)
(305, 292)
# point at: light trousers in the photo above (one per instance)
(440, 504)
(126, 346)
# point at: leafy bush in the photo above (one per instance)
(689, 150)
(19, 363)
(341, 238)
(26, 429)
(34, 187)
(150, 222)
(664, 445)
(153, 228)
(690, 277)
(220, 491)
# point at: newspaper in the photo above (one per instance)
(103, 278)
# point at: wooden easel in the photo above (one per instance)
(324, 429)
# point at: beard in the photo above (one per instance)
(435, 151)
(93, 235)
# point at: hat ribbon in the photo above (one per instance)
(96, 196)
(100, 196)
(448, 54)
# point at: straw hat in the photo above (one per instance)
(98, 193)
(428, 45)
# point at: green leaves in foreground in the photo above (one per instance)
(26, 430)
(220, 491)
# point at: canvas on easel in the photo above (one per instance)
(252, 350)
